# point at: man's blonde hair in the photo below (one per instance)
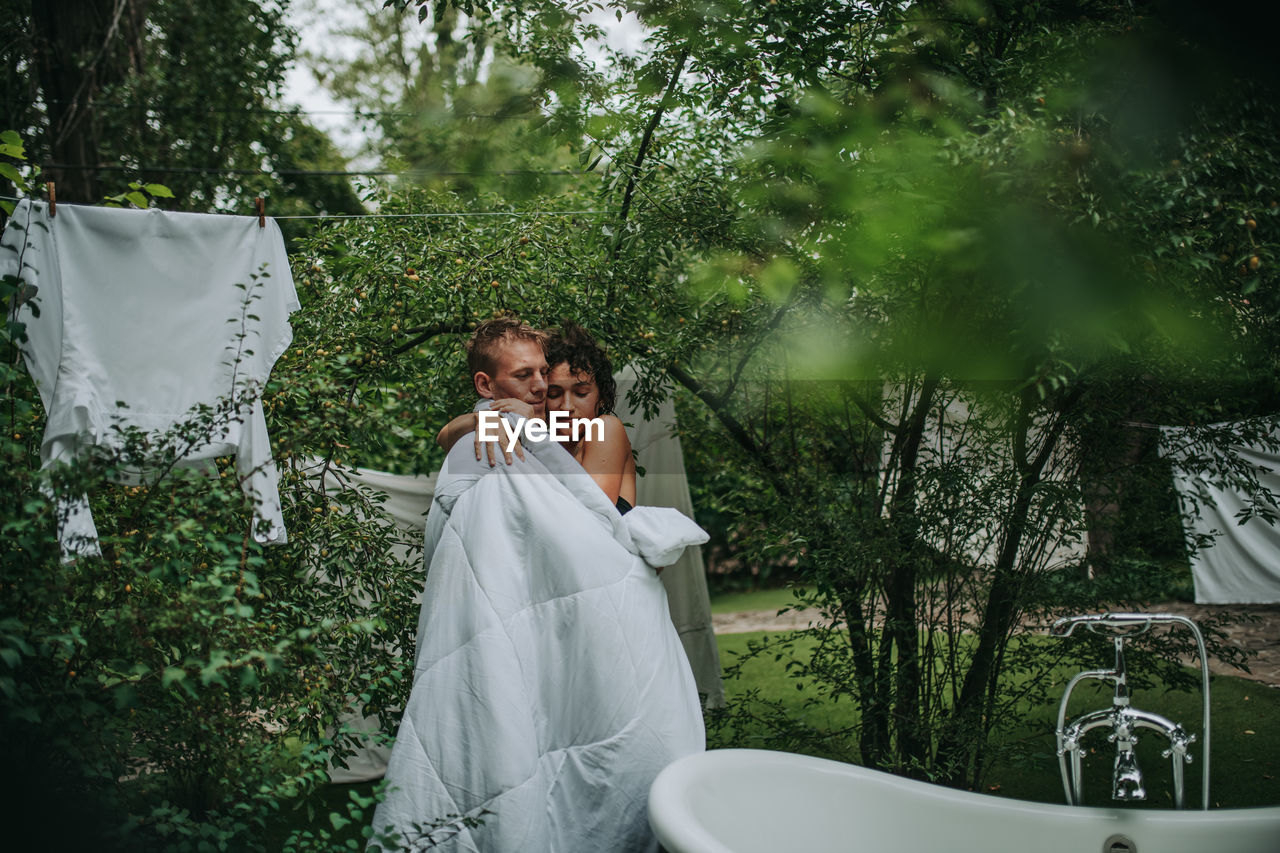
(482, 348)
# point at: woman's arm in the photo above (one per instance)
(456, 429)
(607, 460)
(463, 424)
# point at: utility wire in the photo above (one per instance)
(354, 112)
(201, 170)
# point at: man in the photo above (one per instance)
(508, 364)
(507, 361)
(550, 687)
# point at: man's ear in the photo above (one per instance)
(484, 384)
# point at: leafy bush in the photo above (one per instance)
(182, 688)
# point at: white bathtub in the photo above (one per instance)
(752, 801)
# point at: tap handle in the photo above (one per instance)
(1179, 740)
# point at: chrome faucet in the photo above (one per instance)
(1122, 718)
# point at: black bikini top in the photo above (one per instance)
(622, 505)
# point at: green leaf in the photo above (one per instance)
(159, 190)
(126, 696)
(137, 199)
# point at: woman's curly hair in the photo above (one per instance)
(573, 344)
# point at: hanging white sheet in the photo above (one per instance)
(1242, 566)
(666, 483)
(406, 501)
(139, 316)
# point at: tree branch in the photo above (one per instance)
(733, 427)
(774, 322)
(645, 140)
(426, 333)
(874, 416)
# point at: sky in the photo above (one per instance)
(318, 20)
(315, 20)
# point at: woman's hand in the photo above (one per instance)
(515, 407)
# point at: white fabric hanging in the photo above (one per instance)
(666, 483)
(144, 315)
(406, 501)
(1241, 565)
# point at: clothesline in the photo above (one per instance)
(354, 111)
(462, 213)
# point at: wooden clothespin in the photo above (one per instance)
(262, 216)
(53, 199)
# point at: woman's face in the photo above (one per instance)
(575, 393)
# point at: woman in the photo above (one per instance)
(580, 383)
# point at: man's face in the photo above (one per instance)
(520, 372)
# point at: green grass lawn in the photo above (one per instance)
(759, 599)
(1245, 746)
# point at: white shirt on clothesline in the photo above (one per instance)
(147, 308)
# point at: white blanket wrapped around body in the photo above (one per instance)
(550, 686)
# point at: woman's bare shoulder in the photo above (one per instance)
(612, 443)
(614, 430)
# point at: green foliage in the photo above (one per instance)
(14, 168)
(138, 195)
(461, 112)
(187, 684)
(388, 305)
(182, 93)
(913, 267)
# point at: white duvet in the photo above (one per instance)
(550, 686)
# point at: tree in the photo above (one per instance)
(928, 204)
(448, 98)
(185, 94)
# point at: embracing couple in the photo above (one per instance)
(550, 687)
(532, 374)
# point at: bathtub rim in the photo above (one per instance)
(672, 818)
